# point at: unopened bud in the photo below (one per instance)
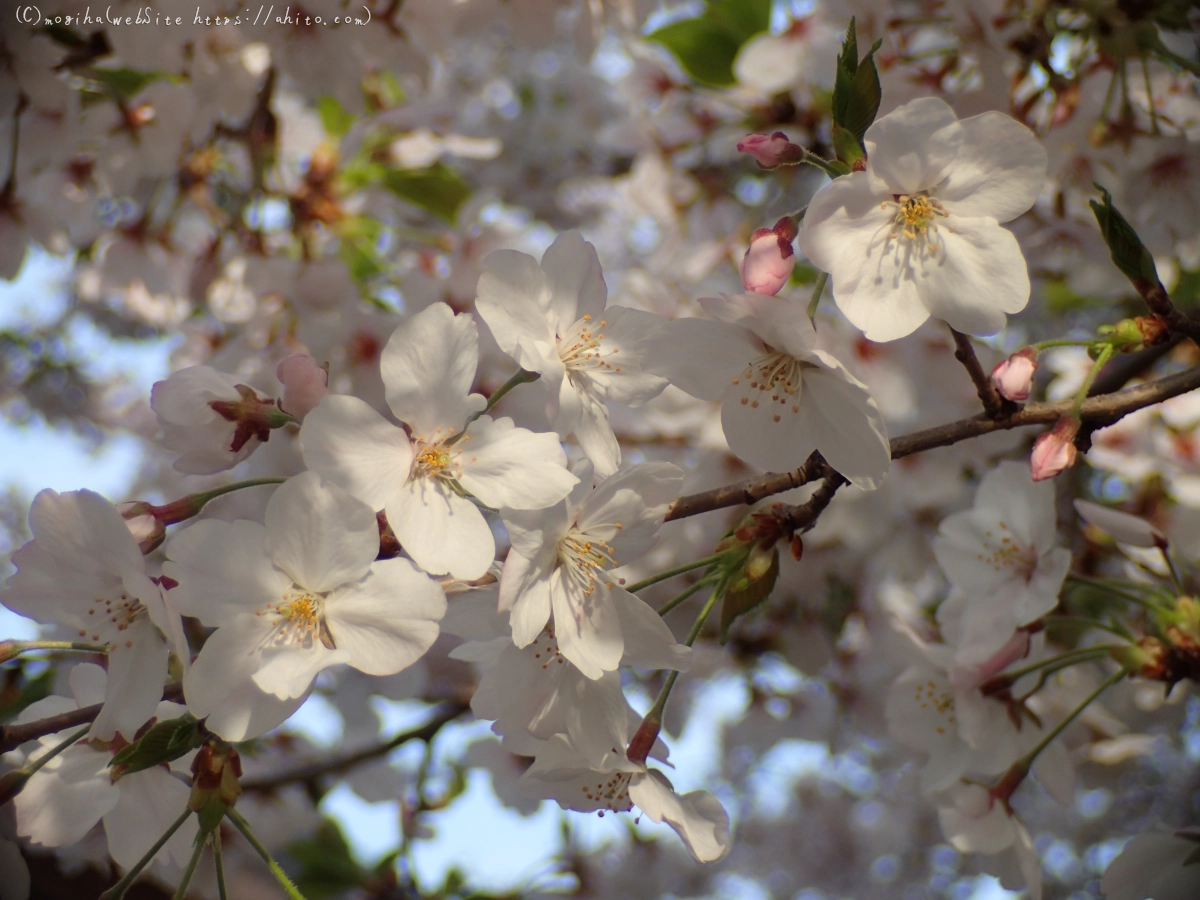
(1154, 329)
(1125, 336)
(771, 150)
(304, 384)
(1013, 377)
(1055, 450)
(216, 769)
(143, 524)
(768, 262)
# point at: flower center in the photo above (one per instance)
(299, 620)
(916, 216)
(774, 378)
(111, 615)
(928, 695)
(611, 793)
(581, 347)
(437, 460)
(1006, 553)
(585, 557)
(545, 648)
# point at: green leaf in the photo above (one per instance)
(125, 83)
(165, 741)
(1128, 252)
(437, 189)
(328, 868)
(740, 19)
(334, 117)
(358, 238)
(847, 145)
(704, 49)
(803, 274)
(750, 588)
(65, 36)
(856, 89)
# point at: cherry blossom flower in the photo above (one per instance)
(64, 799)
(210, 419)
(559, 565)
(563, 773)
(1004, 548)
(1123, 527)
(291, 598)
(83, 569)
(419, 480)
(552, 320)
(976, 822)
(304, 384)
(918, 233)
(781, 397)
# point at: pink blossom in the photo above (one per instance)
(768, 262)
(771, 150)
(304, 383)
(1055, 450)
(1013, 377)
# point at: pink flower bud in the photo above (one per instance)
(772, 150)
(304, 384)
(1055, 450)
(143, 524)
(1013, 377)
(768, 262)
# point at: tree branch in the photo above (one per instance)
(1097, 412)
(13, 736)
(443, 715)
(993, 404)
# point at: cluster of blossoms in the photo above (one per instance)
(343, 221)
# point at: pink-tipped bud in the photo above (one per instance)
(769, 259)
(771, 150)
(1055, 450)
(304, 384)
(1013, 377)
(143, 523)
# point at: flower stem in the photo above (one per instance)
(1060, 342)
(1114, 591)
(186, 507)
(521, 377)
(222, 891)
(181, 891)
(675, 601)
(12, 649)
(1090, 623)
(671, 573)
(243, 826)
(1175, 579)
(117, 891)
(818, 289)
(823, 164)
(12, 783)
(1008, 679)
(1105, 352)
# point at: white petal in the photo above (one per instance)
(137, 670)
(773, 436)
(587, 626)
(58, 806)
(530, 606)
(201, 558)
(627, 509)
(428, 367)
(847, 233)
(84, 531)
(513, 300)
(626, 346)
(506, 466)
(700, 356)
(697, 817)
(150, 802)
(913, 147)
(1125, 528)
(976, 276)
(348, 443)
(779, 323)
(849, 428)
(1055, 773)
(442, 531)
(999, 172)
(319, 534)
(388, 621)
(89, 683)
(574, 279)
(595, 434)
(649, 643)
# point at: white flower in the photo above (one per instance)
(209, 438)
(292, 598)
(563, 773)
(781, 398)
(428, 366)
(975, 822)
(918, 234)
(1155, 864)
(1003, 549)
(560, 559)
(83, 569)
(64, 799)
(534, 692)
(552, 319)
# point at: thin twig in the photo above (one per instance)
(13, 736)
(444, 714)
(993, 404)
